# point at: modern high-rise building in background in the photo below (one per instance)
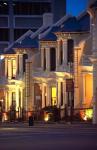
(18, 16)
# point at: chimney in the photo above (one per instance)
(47, 19)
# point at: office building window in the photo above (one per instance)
(20, 32)
(31, 8)
(3, 8)
(4, 34)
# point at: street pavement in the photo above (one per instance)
(19, 136)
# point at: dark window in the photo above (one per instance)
(25, 56)
(3, 8)
(52, 59)
(31, 8)
(70, 50)
(4, 34)
(44, 58)
(61, 93)
(61, 53)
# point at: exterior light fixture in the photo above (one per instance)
(1, 57)
(46, 117)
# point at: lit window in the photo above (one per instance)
(54, 101)
(13, 68)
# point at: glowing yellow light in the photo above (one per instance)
(46, 117)
(89, 113)
(5, 117)
(54, 101)
(53, 91)
(86, 114)
(85, 118)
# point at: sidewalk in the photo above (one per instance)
(45, 125)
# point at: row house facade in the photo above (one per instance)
(51, 67)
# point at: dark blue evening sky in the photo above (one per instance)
(75, 7)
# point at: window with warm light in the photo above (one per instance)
(8, 69)
(53, 94)
(13, 68)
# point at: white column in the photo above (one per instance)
(21, 64)
(65, 52)
(42, 57)
(10, 98)
(33, 105)
(17, 61)
(76, 78)
(59, 94)
(58, 52)
(57, 58)
(95, 94)
(64, 93)
(83, 89)
(6, 65)
(21, 90)
(17, 99)
(47, 59)
(43, 102)
(48, 95)
(6, 101)
(9, 69)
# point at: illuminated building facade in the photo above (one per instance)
(92, 10)
(51, 67)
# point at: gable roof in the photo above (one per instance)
(27, 42)
(49, 34)
(84, 21)
(9, 48)
(73, 24)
